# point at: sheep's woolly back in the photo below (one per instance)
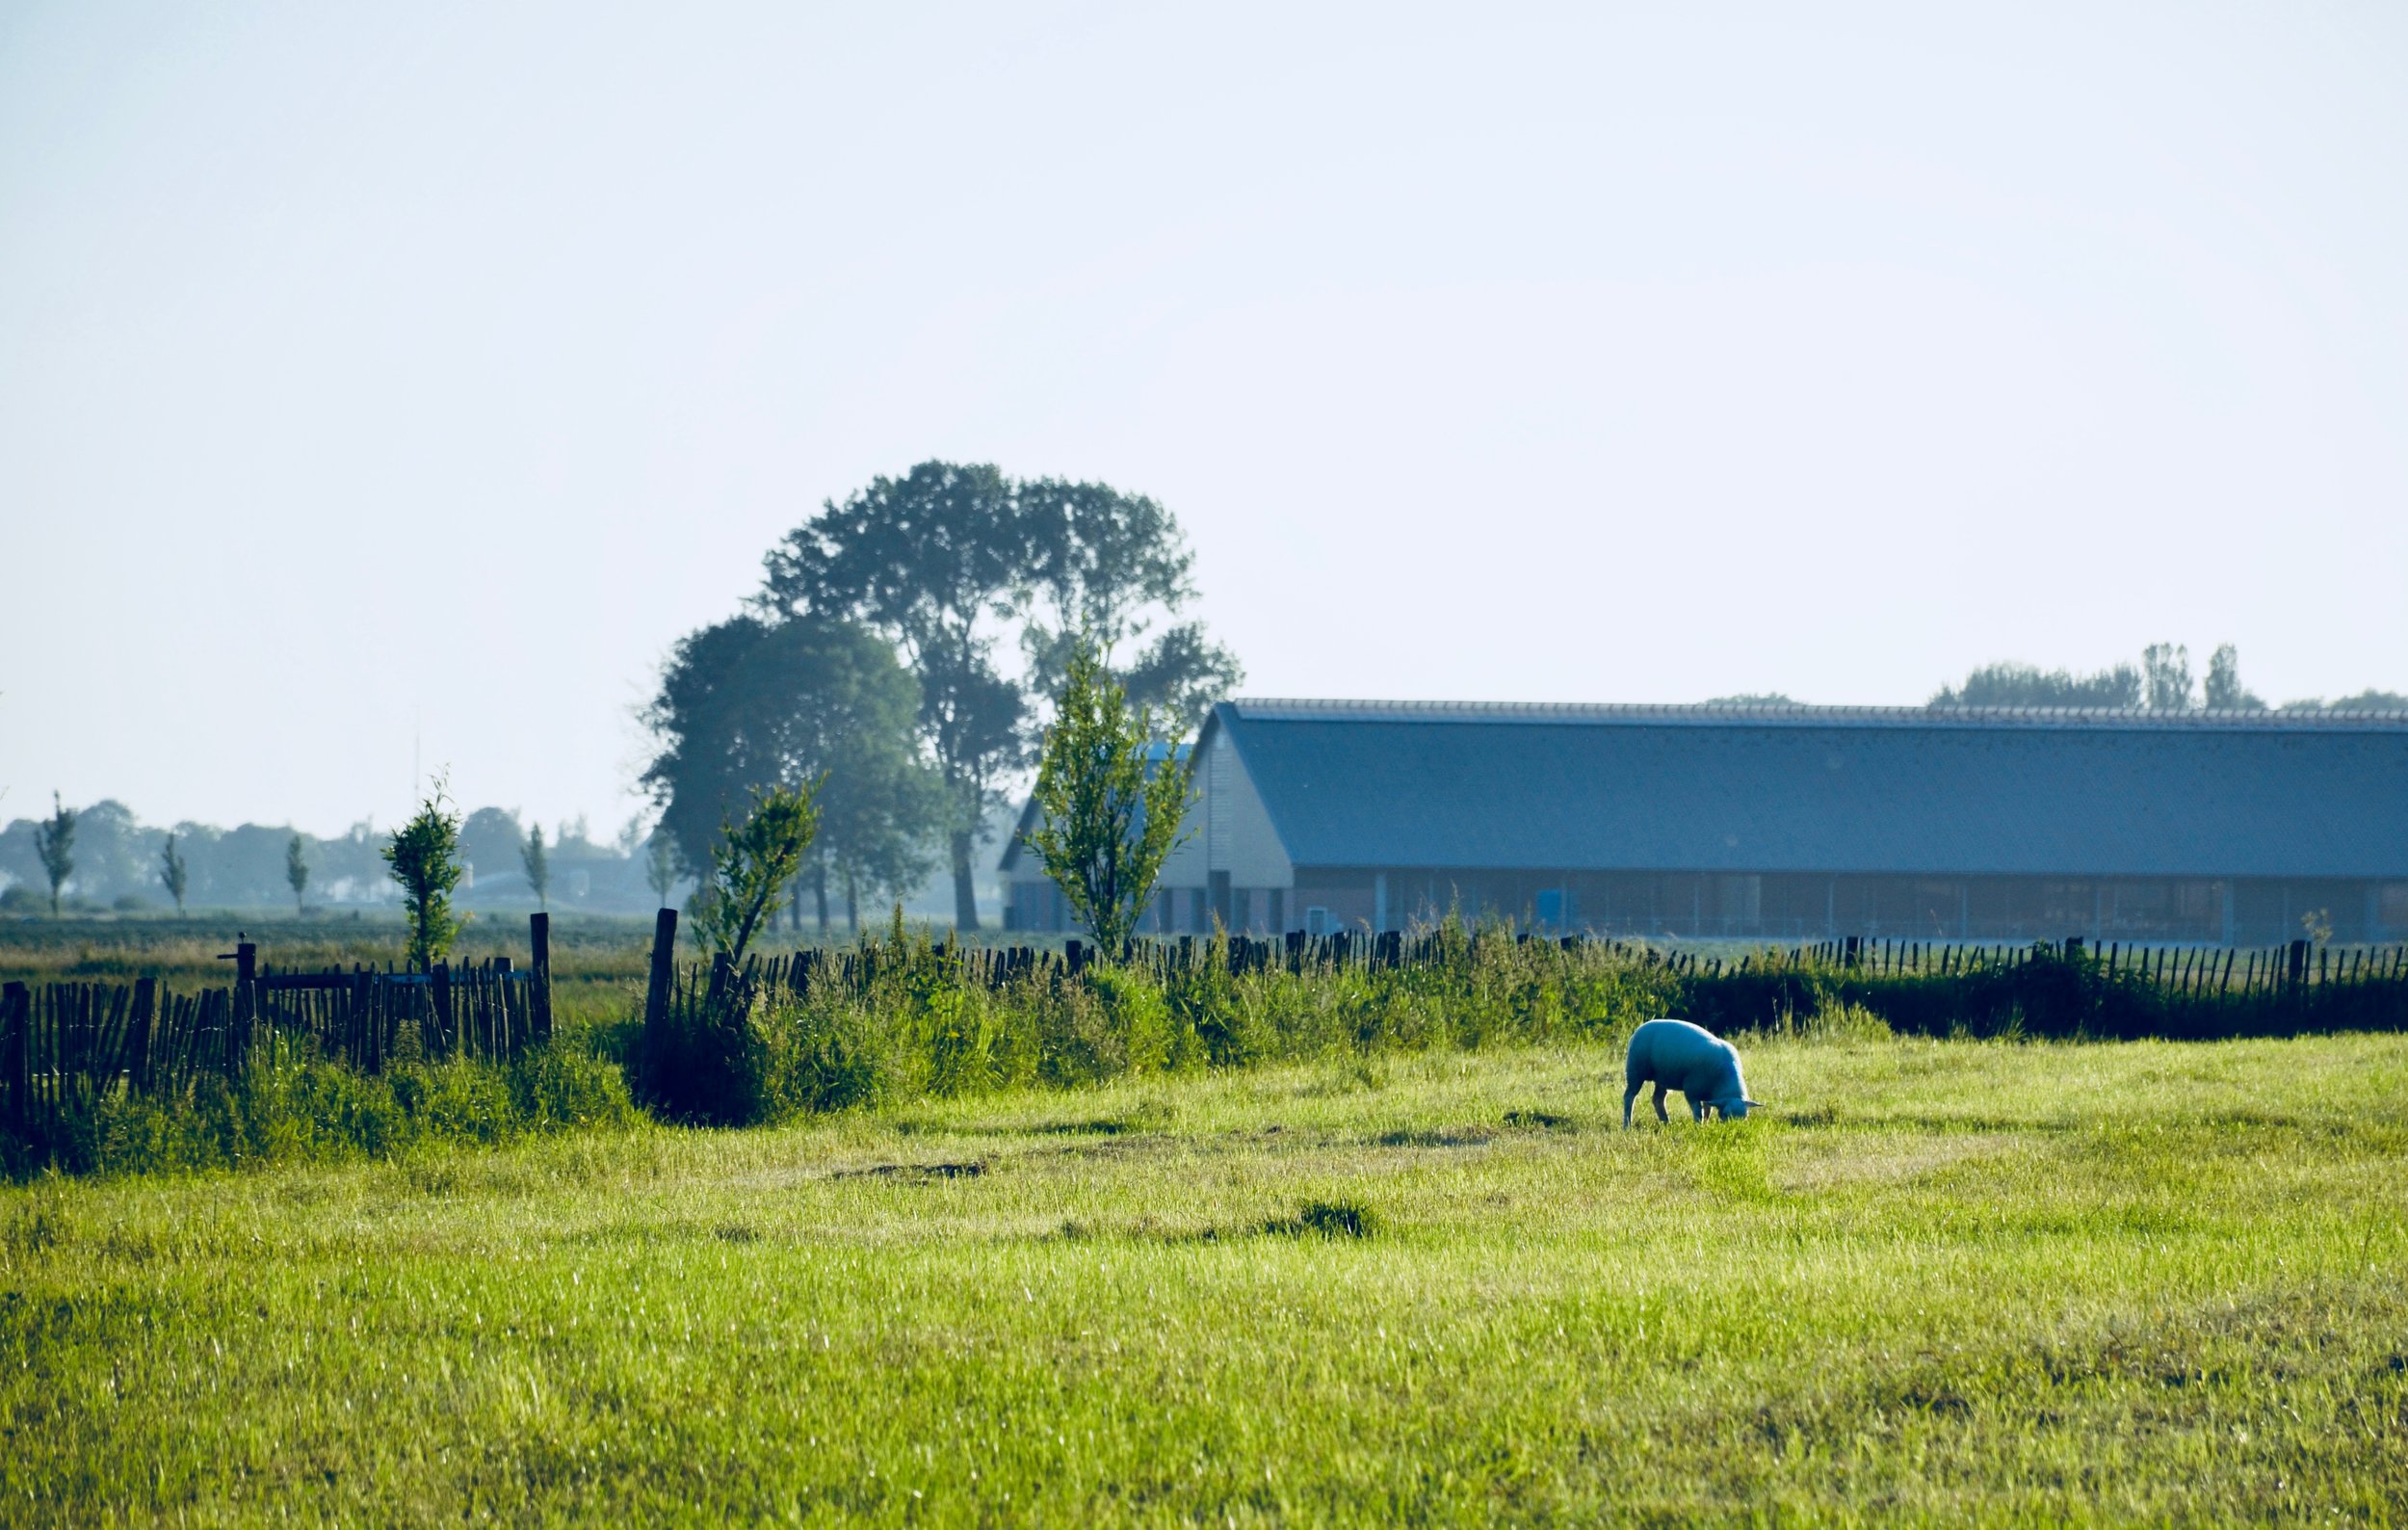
(1684, 1057)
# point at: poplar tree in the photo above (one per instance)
(54, 841)
(297, 874)
(660, 866)
(538, 868)
(173, 873)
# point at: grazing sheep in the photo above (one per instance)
(1674, 1054)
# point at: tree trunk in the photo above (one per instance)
(966, 892)
(853, 906)
(818, 885)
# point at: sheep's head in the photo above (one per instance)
(1737, 1107)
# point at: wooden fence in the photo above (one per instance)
(2044, 989)
(63, 1046)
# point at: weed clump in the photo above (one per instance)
(1342, 1217)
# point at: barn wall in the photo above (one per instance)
(1776, 906)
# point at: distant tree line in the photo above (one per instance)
(102, 857)
(2160, 682)
(899, 664)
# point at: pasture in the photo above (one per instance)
(1937, 1280)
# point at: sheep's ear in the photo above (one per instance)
(1754, 1104)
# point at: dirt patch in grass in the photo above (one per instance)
(1442, 1137)
(914, 1173)
(1540, 1121)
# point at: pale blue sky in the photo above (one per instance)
(435, 368)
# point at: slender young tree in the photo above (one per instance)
(752, 865)
(538, 869)
(297, 874)
(660, 872)
(54, 841)
(173, 873)
(425, 857)
(1111, 796)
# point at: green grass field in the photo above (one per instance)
(1938, 1281)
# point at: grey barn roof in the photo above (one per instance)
(1974, 791)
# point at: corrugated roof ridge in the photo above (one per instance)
(1297, 708)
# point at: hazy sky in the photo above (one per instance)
(371, 373)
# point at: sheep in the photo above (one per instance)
(1674, 1054)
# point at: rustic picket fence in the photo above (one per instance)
(2041, 989)
(64, 1045)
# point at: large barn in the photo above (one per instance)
(1787, 822)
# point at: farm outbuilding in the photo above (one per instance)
(1787, 822)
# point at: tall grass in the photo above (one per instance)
(293, 1107)
(909, 1021)
(905, 1018)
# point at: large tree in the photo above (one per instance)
(753, 704)
(956, 566)
(937, 562)
(1108, 567)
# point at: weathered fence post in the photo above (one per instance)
(540, 992)
(439, 990)
(1073, 955)
(367, 1045)
(16, 1014)
(138, 1034)
(663, 967)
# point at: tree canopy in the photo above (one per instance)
(958, 567)
(753, 704)
(2161, 683)
(2012, 684)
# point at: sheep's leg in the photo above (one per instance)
(1697, 1110)
(1660, 1110)
(1629, 1095)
